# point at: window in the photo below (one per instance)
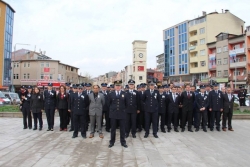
(225, 61)
(42, 76)
(62, 77)
(28, 64)
(203, 63)
(17, 64)
(202, 41)
(236, 73)
(17, 76)
(24, 64)
(46, 64)
(219, 62)
(24, 76)
(225, 72)
(236, 46)
(202, 30)
(42, 64)
(218, 50)
(14, 76)
(140, 77)
(218, 73)
(244, 72)
(51, 76)
(28, 76)
(225, 48)
(202, 52)
(244, 59)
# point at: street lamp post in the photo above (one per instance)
(12, 87)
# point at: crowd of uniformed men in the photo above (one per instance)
(129, 109)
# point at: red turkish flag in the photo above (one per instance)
(46, 69)
(140, 68)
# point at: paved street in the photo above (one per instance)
(20, 147)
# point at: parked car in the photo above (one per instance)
(14, 98)
(1, 102)
(236, 99)
(5, 100)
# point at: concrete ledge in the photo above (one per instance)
(241, 116)
(242, 108)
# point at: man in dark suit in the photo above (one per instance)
(151, 98)
(173, 109)
(228, 104)
(68, 91)
(187, 102)
(50, 106)
(132, 109)
(87, 91)
(79, 103)
(241, 96)
(215, 107)
(69, 106)
(117, 114)
(162, 108)
(167, 92)
(202, 102)
(141, 115)
(106, 106)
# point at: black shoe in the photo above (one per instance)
(125, 145)
(40, 128)
(35, 128)
(146, 135)
(205, 130)
(74, 136)
(107, 130)
(48, 129)
(71, 130)
(163, 131)
(30, 127)
(211, 129)
(176, 130)
(196, 130)
(126, 135)
(190, 130)
(218, 129)
(134, 136)
(52, 129)
(111, 145)
(169, 130)
(155, 135)
(139, 130)
(182, 130)
(84, 136)
(24, 127)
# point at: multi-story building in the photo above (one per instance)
(128, 73)
(176, 51)
(6, 35)
(32, 68)
(203, 30)
(247, 47)
(160, 62)
(227, 59)
(185, 46)
(154, 75)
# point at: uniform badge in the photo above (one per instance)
(219, 95)
(163, 96)
(63, 95)
(82, 96)
(98, 96)
(28, 95)
(38, 97)
(122, 95)
(134, 93)
(205, 97)
(155, 97)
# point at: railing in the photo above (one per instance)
(237, 51)
(192, 47)
(238, 64)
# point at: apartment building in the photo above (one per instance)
(160, 62)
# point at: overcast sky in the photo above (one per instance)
(97, 35)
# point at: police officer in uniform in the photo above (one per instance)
(26, 108)
(68, 92)
(151, 98)
(106, 106)
(79, 104)
(50, 106)
(87, 91)
(241, 96)
(162, 108)
(133, 108)
(202, 102)
(117, 114)
(215, 107)
(69, 106)
(141, 115)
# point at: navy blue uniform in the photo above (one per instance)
(117, 114)
(133, 104)
(162, 110)
(26, 110)
(201, 101)
(216, 104)
(151, 101)
(69, 118)
(87, 92)
(50, 106)
(79, 105)
(173, 110)
(140, 117)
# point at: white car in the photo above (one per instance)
(5, 100)
(13, 97)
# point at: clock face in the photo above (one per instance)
(140, 55)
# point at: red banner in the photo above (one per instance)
(140, 68)
(55, 84)
(46, 69)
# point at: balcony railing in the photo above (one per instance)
(239, 77)
(237, 51)
(192, 47)
(238, 64)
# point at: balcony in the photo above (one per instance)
(238, 64)
(238, 78)
(193, 38)
(237, 51)
(192, 48)
(194, 59)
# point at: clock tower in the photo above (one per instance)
(139, 62)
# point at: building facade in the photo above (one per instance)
(6, 36)
(228, 60)
(32, 68)
(160, 62)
